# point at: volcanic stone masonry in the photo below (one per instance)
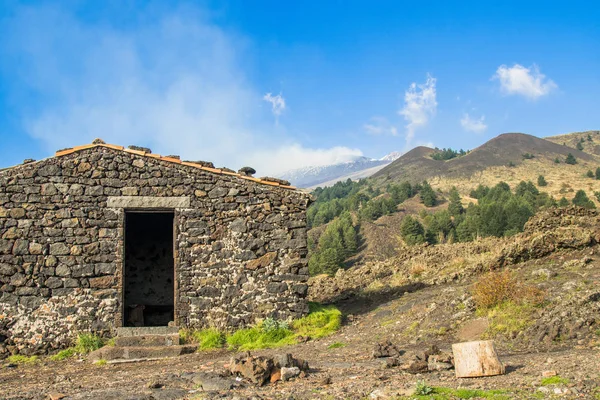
(238, 245)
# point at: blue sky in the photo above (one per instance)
(280, 85)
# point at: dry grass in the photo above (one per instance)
(496, 288)
(563, 179)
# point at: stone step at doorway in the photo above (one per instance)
(143, 343)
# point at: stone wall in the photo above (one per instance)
(240, 246)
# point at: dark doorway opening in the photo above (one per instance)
(149, 269)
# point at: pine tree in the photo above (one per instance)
(570, 159)
(582, 200)
(412, 231)
(428, 196)
(541, 181)
(579, 146)
(455, 207)
(563, 202)
(598, 173)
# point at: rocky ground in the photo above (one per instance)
(414, 300)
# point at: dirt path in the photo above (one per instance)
(343, 372)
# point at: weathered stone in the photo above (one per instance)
(59, 249)
(256, 369)
(20, 247)
(238, 225)
(62, 270)
(289, 373)
(386, 349)
(36, 248)
(48, 189)
(262, 261)
(17, 213)
(53, 283)
(148, 202)
(103, 282)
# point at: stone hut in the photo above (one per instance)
(101, 236)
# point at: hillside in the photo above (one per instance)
(417, 165)
(590, 140)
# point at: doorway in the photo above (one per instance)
(148, 287)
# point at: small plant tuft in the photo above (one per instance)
(423, 389)
(64, 354)
(336, 345)
(88, 342)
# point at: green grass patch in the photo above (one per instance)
(258, 338)
(207, 339)
(64, 354)
(554, 380)
(508, 318)
(321, 321)
(336, 345)
(101, 362)
(20, 359)
(441, 393)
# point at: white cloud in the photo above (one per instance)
(175, 84)
(380, 126)
(419, 106)
(295, 156)
(277, 103)
(528, 82)
(476, 125)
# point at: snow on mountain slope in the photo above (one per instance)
(327, 175)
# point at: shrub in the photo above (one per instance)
(590, 174)
(336, 345)
(270, 324)
(579, 146)
(541, 181)
(570, 159)
(511, 164)
(528, 156)
(496, 288)
(597, 173)
(557, 160)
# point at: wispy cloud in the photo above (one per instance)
(420, 105)
(528, 82)
(470, 124)
(380, 126)
(277, 103)
(175, 84)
